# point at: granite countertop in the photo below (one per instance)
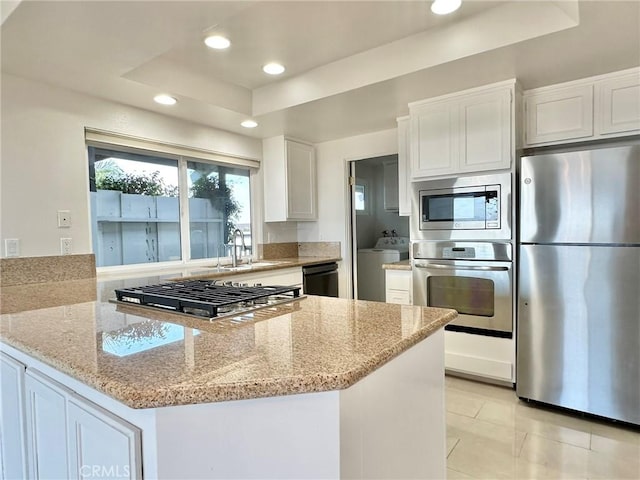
(257, 266)
(150, 359)
(401, 265)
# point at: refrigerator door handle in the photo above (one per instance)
(455, 267)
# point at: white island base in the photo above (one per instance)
(390, 424)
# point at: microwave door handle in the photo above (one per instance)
(454, 267)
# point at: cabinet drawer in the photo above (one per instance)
(401, 297)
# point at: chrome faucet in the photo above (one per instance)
(234, 250)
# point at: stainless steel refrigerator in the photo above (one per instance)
(578, 323)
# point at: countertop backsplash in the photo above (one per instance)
(29, 270)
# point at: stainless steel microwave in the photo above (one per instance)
(463, 208)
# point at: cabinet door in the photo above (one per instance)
(485, 131)
(620, 104)
(404, 168)
(100, 444)
(434, 150)
(301, 181)
(390, 183)
(13, 451)
(46, 426)
(556, 115)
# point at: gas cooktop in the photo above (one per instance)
(205, 298)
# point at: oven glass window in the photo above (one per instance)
(467, 295)
(454, 207)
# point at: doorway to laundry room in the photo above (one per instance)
(379, 235)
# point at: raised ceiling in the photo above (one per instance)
(352, 66)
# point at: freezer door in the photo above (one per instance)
(578, 330)
(581, 197)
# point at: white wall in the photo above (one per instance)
(44, 162)
(333, 205)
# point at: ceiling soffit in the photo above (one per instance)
(497, 27)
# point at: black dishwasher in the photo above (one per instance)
(321, 279)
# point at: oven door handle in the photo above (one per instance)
(456, 267)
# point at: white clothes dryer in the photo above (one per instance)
(370, 274)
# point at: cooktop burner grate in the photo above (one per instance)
(205, 298)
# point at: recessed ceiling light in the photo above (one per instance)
(249, 124)
(217, 41)
(164, 99)
(273, 68)
(443, 7)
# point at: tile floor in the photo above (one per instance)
(491, 434)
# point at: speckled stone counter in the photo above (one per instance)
(147, 359)
(401, 265)
(257, 266)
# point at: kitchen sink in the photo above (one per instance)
(243, 267)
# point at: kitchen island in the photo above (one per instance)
(316, 388)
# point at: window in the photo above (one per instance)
(136, 203)
(361, 197)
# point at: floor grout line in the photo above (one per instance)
(454, 447)
(524, 430)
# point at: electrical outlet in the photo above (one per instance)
(12, 247)
(66, 246)
(64, 218)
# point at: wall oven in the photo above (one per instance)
(463, 208)
(474, 278)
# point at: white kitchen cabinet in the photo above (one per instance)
(398, 286)
(100, 444)
(559, 114)
(46, 426)
(289, 169)
(465, 132)
(70, 437)
(593, 108)
(485, 134)
(13, 446)
(404, 167)
(620, 104)
(390, 185)
(433, 131)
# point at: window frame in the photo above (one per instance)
(183, 155)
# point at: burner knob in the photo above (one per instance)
(228, 284)
(243, 284)
(257, 284)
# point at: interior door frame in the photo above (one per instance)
(352, 237)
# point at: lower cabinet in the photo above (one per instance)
(100, 445)
(46, 427)
(13, 452)
(50, 432)
(398, 286)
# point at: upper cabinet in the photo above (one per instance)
(620, 104)
(390, 185)
(289, 171)
(593, 108)
(404, 167)
(558, 114)
(470, 131)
